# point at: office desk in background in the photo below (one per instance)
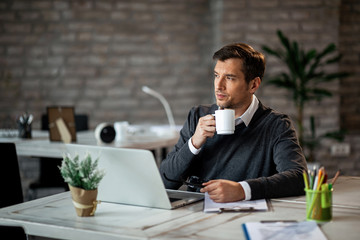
(55, 217)
(40, 145)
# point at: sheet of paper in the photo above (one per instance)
(283, 230)
(211, 206)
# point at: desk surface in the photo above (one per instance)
(40, 145)
(55, 217)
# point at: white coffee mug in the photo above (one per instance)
(225, 121)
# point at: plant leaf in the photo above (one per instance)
(83, 174)
(328, 49)
(284, 40)
(275, 53)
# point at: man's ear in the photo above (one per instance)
(254, 84)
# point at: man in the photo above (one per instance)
(262, 159)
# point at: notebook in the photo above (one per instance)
(132, 177)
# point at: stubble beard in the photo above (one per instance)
(224, 105)
(228, 105)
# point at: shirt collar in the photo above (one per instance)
(249, 113)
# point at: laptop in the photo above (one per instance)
(132, 177)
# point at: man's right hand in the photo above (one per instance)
(204, 129)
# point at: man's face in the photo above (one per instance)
(231, 89)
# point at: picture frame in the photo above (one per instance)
(67, 116)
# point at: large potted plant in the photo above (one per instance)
(305, 72)
(83, 178)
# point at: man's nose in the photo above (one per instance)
(220, 83)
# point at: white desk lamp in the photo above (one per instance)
(164, 103)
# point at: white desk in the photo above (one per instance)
(55, 217)
(40, 145)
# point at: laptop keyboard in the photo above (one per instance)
(174, 199)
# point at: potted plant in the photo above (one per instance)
(305, 71)
(83, 178)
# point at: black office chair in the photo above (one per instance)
(12, 192)
(50, 178)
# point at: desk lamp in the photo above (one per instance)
(164, 103)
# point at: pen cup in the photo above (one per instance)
(25, 130)
(319, 204)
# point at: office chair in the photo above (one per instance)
(50, 180)
(12, 192)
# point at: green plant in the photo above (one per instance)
(305, 71)
(82, 174)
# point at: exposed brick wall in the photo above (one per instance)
(96, 55)
(349, 38)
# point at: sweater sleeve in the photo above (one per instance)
(290, 163)
(178, 161)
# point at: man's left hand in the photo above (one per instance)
(224, 190)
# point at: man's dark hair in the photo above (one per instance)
(253, 61)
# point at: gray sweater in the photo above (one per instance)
(265, 154)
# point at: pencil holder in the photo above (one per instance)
(319, 204)
(25, 130)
